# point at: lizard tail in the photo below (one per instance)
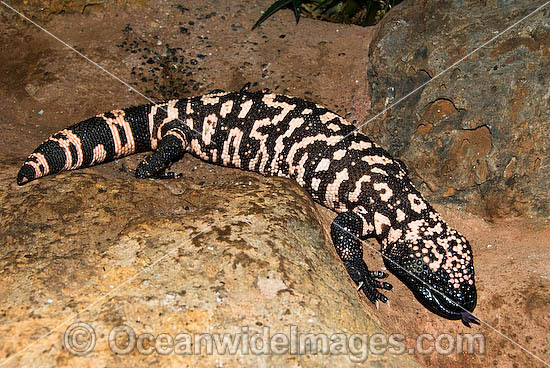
(99, 139)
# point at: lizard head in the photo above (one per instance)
(435, 262)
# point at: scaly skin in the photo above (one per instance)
(278, 135)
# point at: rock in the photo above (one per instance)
(479, 133)
(238, 254)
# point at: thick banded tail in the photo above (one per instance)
(99, 139)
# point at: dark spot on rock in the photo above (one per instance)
(181, 8)
(421, 53)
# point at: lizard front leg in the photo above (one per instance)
(171, 148)
(346, 230)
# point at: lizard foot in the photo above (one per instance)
(145, 171)
(368, 281)
(168, 175)
(144, 174)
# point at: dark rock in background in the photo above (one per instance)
(479, 134)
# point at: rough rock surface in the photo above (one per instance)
(239, 253)
(479, 134)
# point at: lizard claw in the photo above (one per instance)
(368, 281)
(245, 88)
(143, 174)
(169, 175)
(378, 274)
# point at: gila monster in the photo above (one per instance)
(278, 135)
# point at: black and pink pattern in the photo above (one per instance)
(277, 135)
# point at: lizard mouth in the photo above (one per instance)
(443, 306)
